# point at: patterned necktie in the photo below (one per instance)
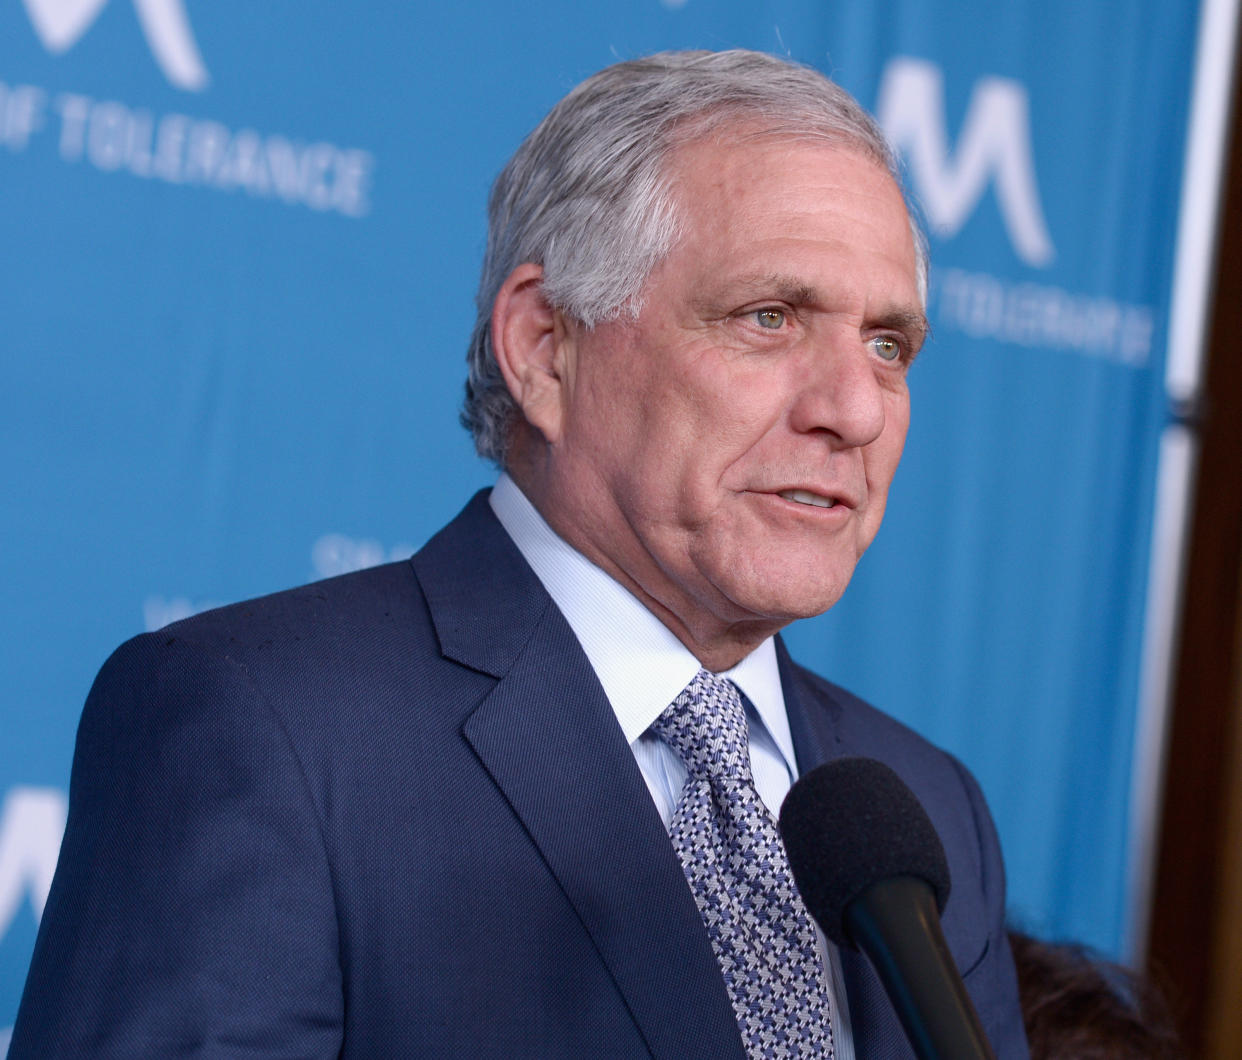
(735, 861)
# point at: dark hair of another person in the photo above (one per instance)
(1078, 1007)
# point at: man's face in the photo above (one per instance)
(727, 455)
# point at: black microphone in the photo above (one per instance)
(872, 872)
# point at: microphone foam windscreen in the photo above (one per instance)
(850, 823)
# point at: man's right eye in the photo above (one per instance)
(770, 318)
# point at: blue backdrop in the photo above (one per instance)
(238, 248)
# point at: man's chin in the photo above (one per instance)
(789, 576)
(782, 602)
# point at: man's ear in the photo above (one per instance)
(528, 338)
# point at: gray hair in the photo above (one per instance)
(585, 195)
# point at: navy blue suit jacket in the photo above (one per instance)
(393, 815)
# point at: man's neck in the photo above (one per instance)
(718, 644)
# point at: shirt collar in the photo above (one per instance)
(639, 662)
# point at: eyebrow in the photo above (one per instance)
(911, 321)
(786, 288)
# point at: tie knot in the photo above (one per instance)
(706, 726)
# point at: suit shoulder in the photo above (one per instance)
(349, 602)
(862, 729)
(294, 624)
(301, 650)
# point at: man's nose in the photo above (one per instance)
(841, 392)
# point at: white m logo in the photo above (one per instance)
(995, 143)
(60, 23)
(32, 823)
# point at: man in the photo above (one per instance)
(426, 810)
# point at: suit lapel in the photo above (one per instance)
(818, 737)
(549, 739)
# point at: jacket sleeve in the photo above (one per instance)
(191, 914)
(992, 982)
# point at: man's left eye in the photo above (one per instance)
(770, 318)
(888, 349)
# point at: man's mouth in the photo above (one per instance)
(807, 497)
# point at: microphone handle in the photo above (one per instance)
(895, 922)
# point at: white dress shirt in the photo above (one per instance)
(643, 668)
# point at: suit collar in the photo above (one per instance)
(483, 598)
(812, 721)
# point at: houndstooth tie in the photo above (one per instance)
(735, 861)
